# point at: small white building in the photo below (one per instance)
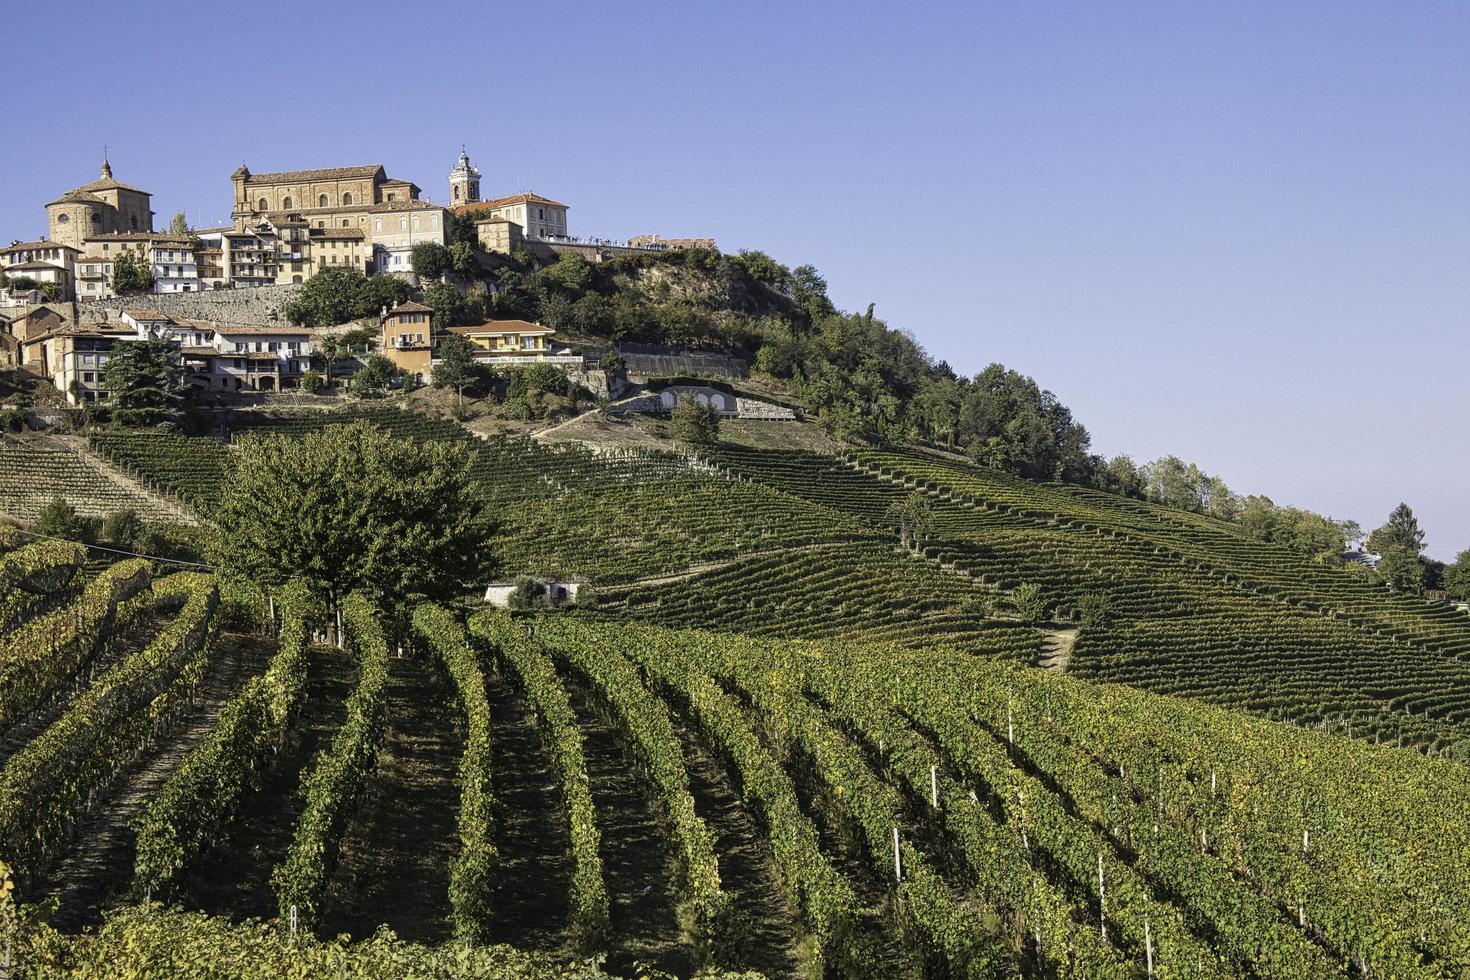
(555, 594)
(397, 226)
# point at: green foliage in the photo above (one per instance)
(335, 296)
(122, 529)
(1029, 603)
(1320, 538)
(197, 804)
(1457, 576)
(456, 367)
(131, 274)
(462, 258)
(13, 419)
(537, 677)
(695, 424)
(312, 382)
(1093, 609)
(339, 772)
(449, 306)
(535, 379)
(471, 879)
(612, 362)
(429, 260)
(527, 594)
(147, 384)
(179, 224)
(352, 507)
(59, 519)
(763, 268)
(913, 515)
(1400, 542)
(373, 376)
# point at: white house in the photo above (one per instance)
(498, 594)
(397, 226)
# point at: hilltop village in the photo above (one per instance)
(104, 274)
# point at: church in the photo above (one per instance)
(103, 207)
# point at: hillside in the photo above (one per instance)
(806, 544)
(786, 731)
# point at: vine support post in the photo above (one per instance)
(897, 859)
(1148, 946)
(934, 786)
(1102, 899)
(293, 922)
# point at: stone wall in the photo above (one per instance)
(258, 305)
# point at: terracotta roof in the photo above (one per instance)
(108, 184)
(33, 267)
(390, 206)
(285, 218)
(342, 233)
(503, 326)
(95, 258)
(259, 330)
(500, 202)
(156, 237)
(199, 352)
(31, 246)
(328, 173)
(410, 307)
(77, 196)
(149, 315)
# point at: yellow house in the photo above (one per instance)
(504, 338)
(408, 338)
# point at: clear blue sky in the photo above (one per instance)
(1236, 232)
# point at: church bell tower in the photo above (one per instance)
(464, 181)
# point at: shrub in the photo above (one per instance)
(1029, 602)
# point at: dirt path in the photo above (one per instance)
(1056, 649)
(637, 853)
(234, 878)
(98, 868)
(534, 877)
(763, 927)
(398, 847)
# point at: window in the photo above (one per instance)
(415, 223)
(456, 192)
(264, 204)
(96, 218)
(286, 203)
(540, 212)
(392, 196)
(89, 377)
(347, 199)
(377, 224)
(346, 223)
(321, 200)
(62, 219)
(402, 224)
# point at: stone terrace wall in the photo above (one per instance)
(257, 305)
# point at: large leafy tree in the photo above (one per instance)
(1400, 542)
(1457, 576)
(429, 259)
(131, 274)
(334, 296)
(456, 367)
(695, 424)
(146, 381)
(352, 507)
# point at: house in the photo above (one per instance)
(247, 357)
(23, 330)
(170, 258)
(74, 358)
(43, 262)
(498, 339)
(538, 217)
(723, 401)
(397, 226)
(408, 338)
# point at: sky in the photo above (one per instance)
(1238, 233)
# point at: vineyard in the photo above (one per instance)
(800, 545)
(515, 794)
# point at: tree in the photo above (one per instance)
(1457, 576)
(352, 507)
(429, 260)
(462, 258)
(913, 516)
(1400, 532)
(612, 362)
(1400, 545)
(695, 424)
(457, 367)
(373, 375)
(59, 519)
(122, 529)
(1030, 604)
(330, 297)
(379, 293)
(131, 274)
(446, 302)
(311, 382)
(179, 225)
(146, 381)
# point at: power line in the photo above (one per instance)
(117, 551)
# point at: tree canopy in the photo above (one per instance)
(695, 424)
(146, 382)
(131, 274)
(352, 507)
(334, 296)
